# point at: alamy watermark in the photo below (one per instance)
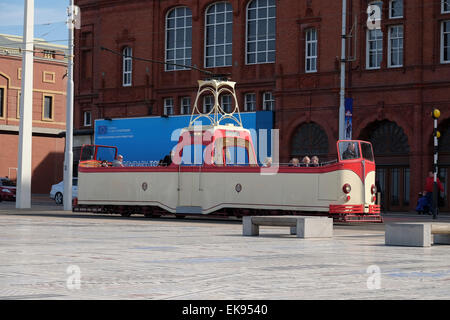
(230, 147)
(374, 280)
(73, 282)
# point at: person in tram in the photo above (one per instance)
(314, 161)
(118, 162)
(295, 162)
(350, 153)
(267, 162)
(306, 161)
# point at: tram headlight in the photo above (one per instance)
(373, 189)
(346, 188)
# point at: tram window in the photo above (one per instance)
(349, 150)
(107, 154)
(366, 150)
(236, 156)
(87, 153)
(193, 155)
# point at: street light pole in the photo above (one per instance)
(343, 58)
(68, 157)
(23, 200)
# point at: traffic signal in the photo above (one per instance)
(437, 134)
(435, 114)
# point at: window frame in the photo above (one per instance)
(185, 28)
(246, 101)
(443, 3)
(267, 40)
(368, 67)
(443, 44)
(167, 106)
(52, 96)
(215, 44)
(266, 101)
(391, 9)
(3, 102)
(229, 103)
(125, 59)
(183, 105)
(19, 96)
(210, 97)
(311, 42)
(85, 124)
(389, 52)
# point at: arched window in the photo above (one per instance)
(179, 38)
(127, 66)
(260, 46)
(219, 35)
(388, 139)
(309, 140)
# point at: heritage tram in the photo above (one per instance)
(229, 181)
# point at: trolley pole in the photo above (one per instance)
(343, 60)
(435, 114)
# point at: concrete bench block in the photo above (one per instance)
(441, 239)
(408, 234)
(303, 227)
(249, 229)
(315, 227)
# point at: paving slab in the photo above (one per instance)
(51, 254)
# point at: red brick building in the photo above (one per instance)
(49, 111)
(284, 56)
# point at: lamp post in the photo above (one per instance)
(435, 114)
(23, 200)
(342, 80)
(68, 157)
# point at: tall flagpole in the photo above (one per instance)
(68, 156)
(23, 198)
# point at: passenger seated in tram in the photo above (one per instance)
(314, 161)
(118, 162)
(306, 161)
(267, 162)
(167, 161)
(104, 164)
(295, 162)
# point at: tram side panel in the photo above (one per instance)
(129, 188)
(211, 191)
(283, 191)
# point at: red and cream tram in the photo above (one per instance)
(344, 189)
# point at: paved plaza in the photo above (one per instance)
(46, 253)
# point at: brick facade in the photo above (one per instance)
(48, 81)
(389, 102)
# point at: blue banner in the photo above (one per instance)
(348, 118)
(145, 141)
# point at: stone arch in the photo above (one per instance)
(392, 157)
(309, 139)
(387, 137)
(443, 142)
(360, 127)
